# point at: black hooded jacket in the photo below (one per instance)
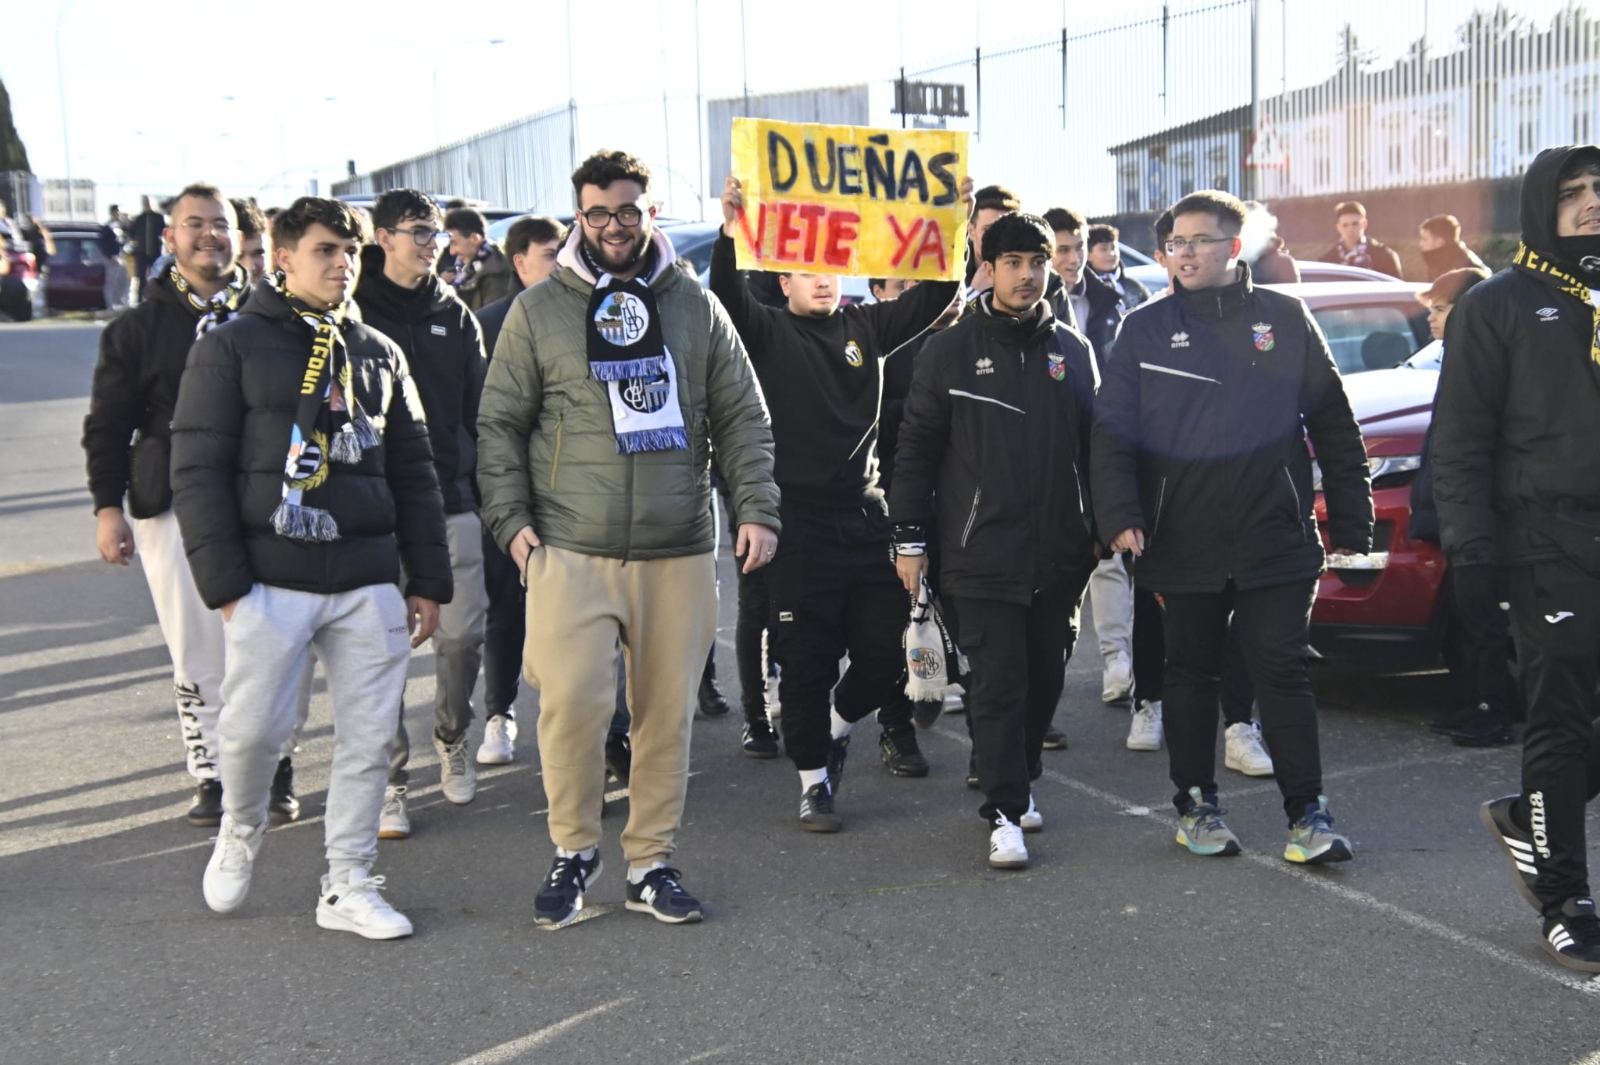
(444, 349)
(822, 379)
(1200, 441)
(994, 449)
(135, 388)
(230, 436)
(1516, 468)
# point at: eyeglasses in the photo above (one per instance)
(218, 226)
(421, 237)
(599, 217)
(1176, 245)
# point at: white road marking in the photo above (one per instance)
(1585, 985)
(507, 1052)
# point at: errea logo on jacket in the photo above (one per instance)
(1180, 340)
(985, 365)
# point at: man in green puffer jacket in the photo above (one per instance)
(610, 384)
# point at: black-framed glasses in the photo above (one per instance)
(599, 217)
(421, 237)
(220, 227)
(1176, 245)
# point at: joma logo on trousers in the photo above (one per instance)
(1541, 838)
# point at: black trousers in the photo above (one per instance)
(1273, 625)
(1018, 657)
(1555, 617)
(1237, 692)
(1478, 651)
(833, 590)
(504, 629)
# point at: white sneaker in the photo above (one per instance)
(1243, 750)
(393, 823)
(1144, 733)
(499, 741)
(458, 777)
(1006, 849)
(954, 704)
(1116, 684)
(357, 907)
(227, 879)
(1033, 820)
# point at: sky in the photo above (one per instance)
(261, 100)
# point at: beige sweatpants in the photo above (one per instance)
(664, 611)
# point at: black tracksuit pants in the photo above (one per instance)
(1273, 625)
(1555, 617)
(1150, 662)
(1018, 657)
(1478, 651)
(833, 590)
(504, 629)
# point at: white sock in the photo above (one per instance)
(810, 778)
(588, 855)
(841, 727)
(637, 873)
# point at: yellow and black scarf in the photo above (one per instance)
(220, 307)
(1555, 274)
(329, 424)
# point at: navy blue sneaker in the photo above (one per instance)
(661, 896)
(560, 900)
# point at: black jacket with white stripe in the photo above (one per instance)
(1200, 441)
(994, 450)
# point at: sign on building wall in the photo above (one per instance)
(850, 199)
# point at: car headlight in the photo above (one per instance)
(1393, 469)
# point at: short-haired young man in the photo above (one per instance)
(253, 238)
(532, 244)
(988, 204)
(1517, 486)
(1105, 259)
(1088, 304)
(299, 460)
(832, 586)
(884, 289)
(995, 435)
(485, 275)
(1439, 240)
(1354, 247)
(136, 379)
(1201, 470)
(611, 383)
(401, 297)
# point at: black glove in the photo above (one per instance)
(1475, 588)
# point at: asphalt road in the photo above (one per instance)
(891, 942)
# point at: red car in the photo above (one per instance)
(1388, 606)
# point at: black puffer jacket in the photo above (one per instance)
(444, 349)
(135, 387)
(994, 448)
(1515, 465)
(230, 436)
(1200, 441)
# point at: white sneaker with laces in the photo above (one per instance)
(1006, 849)
(1033, 820)
(1116, 684)
(499, 741)
(355, 906)
(458, 777)
(227, 878)
(1144, 732)
(1243, 750)
(393, 822)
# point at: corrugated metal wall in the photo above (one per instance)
(845, 106)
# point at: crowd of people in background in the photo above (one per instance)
(334, 434)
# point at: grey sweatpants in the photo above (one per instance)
(457, 643)
(361, 638)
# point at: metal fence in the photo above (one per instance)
(1126, 112)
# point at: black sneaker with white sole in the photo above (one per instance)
(1516, 844)
(661, 896)
(560, 900)
(816, 810)
(1572, 936)
(207, 809)
(900, 754)
(836, 755)
(760, 738)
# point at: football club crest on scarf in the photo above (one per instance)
(1058, 367)
(628, 356)
(1264, 338)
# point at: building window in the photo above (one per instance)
(1130, 186)
(1217, 158)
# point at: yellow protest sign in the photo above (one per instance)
(850, 199)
